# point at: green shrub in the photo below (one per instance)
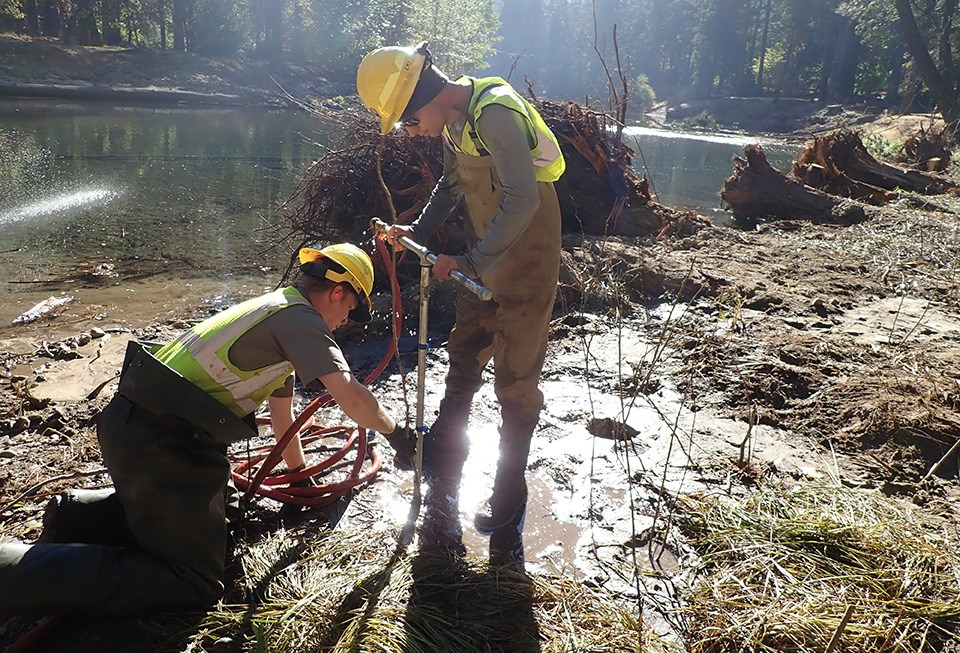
(701, 122)
(643, 92)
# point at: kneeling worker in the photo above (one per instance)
(164, 439)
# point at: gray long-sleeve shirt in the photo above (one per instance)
(505, 137)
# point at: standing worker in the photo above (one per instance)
(159, 542)
(501, 157)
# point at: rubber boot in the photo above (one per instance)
(506, 505)
(86, 516)
(94, 579)
(446, 446)
(502, 516)
(445, 450)
(506, 544)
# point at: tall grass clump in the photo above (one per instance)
(821, 569)
(347, 590)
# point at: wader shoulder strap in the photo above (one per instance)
(472, 132)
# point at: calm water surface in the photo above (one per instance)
(185, 201)
(188, 194)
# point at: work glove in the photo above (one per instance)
(403, 439)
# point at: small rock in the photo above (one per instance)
(83, 339)
(97, 332)
(611, 429)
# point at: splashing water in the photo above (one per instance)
(57, 204)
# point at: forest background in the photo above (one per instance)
(898, 53)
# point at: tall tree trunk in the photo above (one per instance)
(827, 66)
(941, 91)
(845, 64)
(274, 29)
(110, 17)
(753, 34)
(50, 22)
(763, 45)
(162, 22)
(84, 22)
(892, 95)
(180, 25)
(298, 50)
(946, 49)
(32, 16)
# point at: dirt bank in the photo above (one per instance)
(783, 354)
(41, 67)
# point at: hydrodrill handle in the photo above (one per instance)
(481, 291)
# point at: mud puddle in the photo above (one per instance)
(598, 506)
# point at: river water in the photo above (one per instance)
(182, 203)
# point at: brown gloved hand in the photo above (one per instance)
(403, 439)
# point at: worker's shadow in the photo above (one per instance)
(454, 606)
(483, 608)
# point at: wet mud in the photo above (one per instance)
(719, 362)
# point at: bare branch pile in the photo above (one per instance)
(599, 193)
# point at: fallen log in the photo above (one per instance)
(757, 190)
(830, 180)
(843, 153)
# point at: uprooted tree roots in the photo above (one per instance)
(831, 171)
(599, 192)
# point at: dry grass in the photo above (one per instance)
(781, 570)
(914, 247)
(345, 591)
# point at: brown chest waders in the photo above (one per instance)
(511, 329)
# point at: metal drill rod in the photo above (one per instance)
(427, 259)
(481, 291)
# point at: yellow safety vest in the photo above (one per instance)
(201, 354)
(547, 159)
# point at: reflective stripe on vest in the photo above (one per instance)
(201, 354)
(547, 159)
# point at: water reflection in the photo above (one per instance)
(198, 184)
(165, 196)
(688, 170)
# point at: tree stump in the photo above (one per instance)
(830, 180)
(842, 154)
(757, 190)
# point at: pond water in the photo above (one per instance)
(184, 202)
(159, 194)
(687, 170)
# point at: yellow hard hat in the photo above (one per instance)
(350, 264)
(386, 79)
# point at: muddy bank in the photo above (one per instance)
(785, 354)
(42, 67)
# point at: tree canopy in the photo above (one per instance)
(892, 51)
